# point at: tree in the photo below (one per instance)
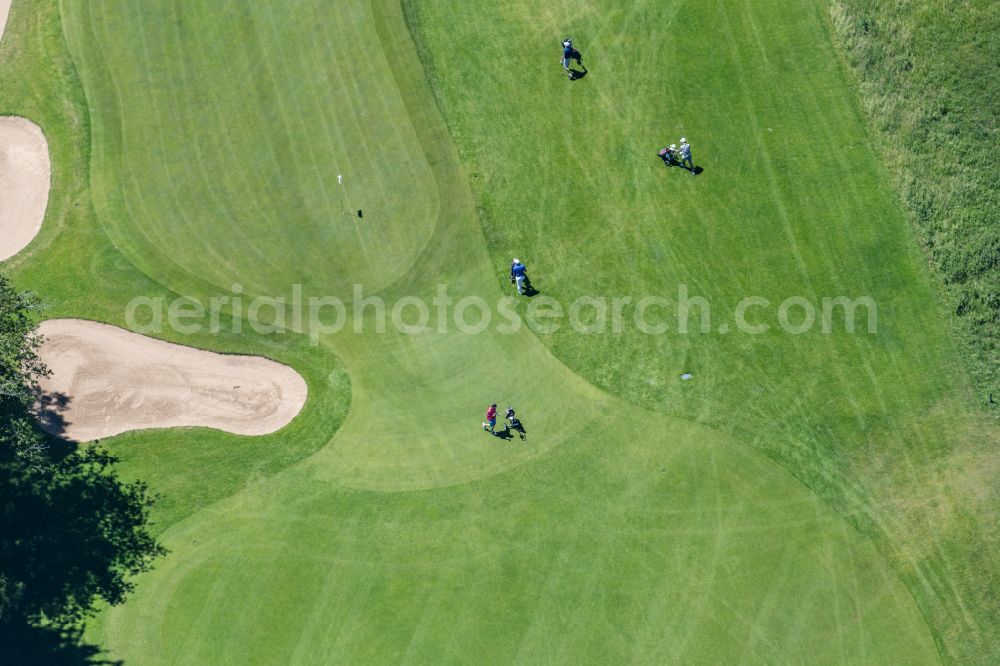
(71, 532)
(20, 370)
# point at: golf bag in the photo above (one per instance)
(514, 423)
(570, 52)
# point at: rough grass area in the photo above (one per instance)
(929, 73)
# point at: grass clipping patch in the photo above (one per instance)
(929, 74)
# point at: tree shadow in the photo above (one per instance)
(50, 410)
(72, 534)
(48, 646)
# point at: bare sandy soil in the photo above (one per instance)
(106, 381)
(24, 182)
(4, 11)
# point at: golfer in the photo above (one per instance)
(685, 151)
(518, 273)
(569, 53)
(491, 419)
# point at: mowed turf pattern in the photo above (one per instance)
(615, 531)
(791, 203)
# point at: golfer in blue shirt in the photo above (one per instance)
(518, 273)
(570, 53)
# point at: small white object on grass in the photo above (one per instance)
(340, 178)
(686, 376)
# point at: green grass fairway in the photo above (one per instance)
(806, 498)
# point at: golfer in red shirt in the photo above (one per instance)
(491, 419)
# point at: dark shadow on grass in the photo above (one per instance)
(576, 74)
(694, 172)
(502, 434)
(529, 289)
(47, 646)
(513, 427)
(671, 163)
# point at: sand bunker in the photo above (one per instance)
(24, 182)
(4, 12)
(106, 381)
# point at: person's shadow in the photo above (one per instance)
(510, 428)
(529, 289)
(577, 74)
(515, 426)
(503, 434)
(669, 163)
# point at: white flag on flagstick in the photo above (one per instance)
(340, 178)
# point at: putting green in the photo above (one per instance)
(217, 153)
(639, 520)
